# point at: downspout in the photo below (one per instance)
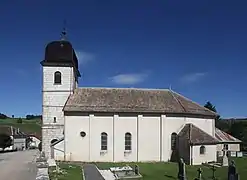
(161, 138)
(191, 154)
(113, 138)
(190, 145)
(137, 140)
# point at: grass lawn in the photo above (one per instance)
(168, 171)
(67, 172)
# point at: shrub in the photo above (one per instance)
(19, 120)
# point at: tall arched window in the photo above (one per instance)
(202, 150)
(127, 141)
(173, 141)
(57, 77)
(103, 141)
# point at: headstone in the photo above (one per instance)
(225, 158)
(232, 172)
(199, 176)
(136, 169)
(181, 170)
(213, 170)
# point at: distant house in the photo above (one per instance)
(18, 137)
(228, 142)
(35, 141)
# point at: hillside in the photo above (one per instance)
(27, 126)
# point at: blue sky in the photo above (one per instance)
(199, 48)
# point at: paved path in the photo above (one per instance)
(91, 172)
(18, 165)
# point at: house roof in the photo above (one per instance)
(196, 136)
(132, 100)
(11, 131)
(225, 137)
(5, 130)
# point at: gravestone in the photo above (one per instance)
(199, 176)
(213, 170)
(181, 170)
(136, 169)
(232, 172)
(225, 158)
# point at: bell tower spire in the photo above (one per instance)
(64, 32)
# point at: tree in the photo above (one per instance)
(5, 141)
(218, 123)
(210, 106)
(3, 116)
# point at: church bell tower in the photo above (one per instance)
(60, 78)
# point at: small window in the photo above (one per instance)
(54, 120)
(57, 77)
(173, 141)
(225, 146)
(127, 141)
(202, 150)
(104, 141)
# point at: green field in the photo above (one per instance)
(28, 126)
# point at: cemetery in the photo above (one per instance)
(232, 168)
(235, 170)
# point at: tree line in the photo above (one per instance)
(235, 127)
(28, 116)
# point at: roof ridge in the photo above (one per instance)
(171, 92)
(141, 89)
(187, 99)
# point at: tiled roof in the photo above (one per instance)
(225, 137)
(132, 100)
(196, 136)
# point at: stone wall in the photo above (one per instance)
(42, 167)
(54, 98)
(49, 133)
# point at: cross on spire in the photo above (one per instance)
(64, 32)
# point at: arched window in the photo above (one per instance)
(57, 77)
(53, 141)
(127, 141)
(202, 150)
(103, 141)
(173, 141)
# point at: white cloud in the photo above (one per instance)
(84, 57)
(193, 77)
(129, 79)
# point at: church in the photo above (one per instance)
(118, 124)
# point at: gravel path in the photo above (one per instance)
(91, 172)
(18, 165)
